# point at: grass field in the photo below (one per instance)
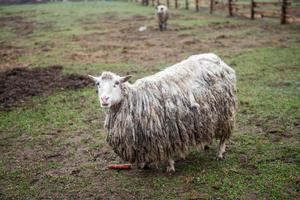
(53, 146)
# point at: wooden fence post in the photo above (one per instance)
(187, 4)
(145, 2)
(252, 9)
(158, 3)
(283, 12)
(197, 5)
(153, 2)
(211, 6)
(230, 8)
(168, 3)
(176, 4)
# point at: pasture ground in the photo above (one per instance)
(52, 142)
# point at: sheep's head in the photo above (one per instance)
(161, 9)
(109, 86)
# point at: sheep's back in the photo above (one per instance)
(196, 72)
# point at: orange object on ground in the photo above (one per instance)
(119, 166)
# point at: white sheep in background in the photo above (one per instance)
(162, 17)
(162, 117)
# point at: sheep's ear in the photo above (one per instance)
(125, 78)
(94, 78)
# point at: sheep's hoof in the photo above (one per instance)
(170, 169)
(220, 157)
(206, 148)
(143, 166)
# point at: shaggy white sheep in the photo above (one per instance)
(162, 17)
(161, 117)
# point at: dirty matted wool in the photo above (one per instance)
(165, 115)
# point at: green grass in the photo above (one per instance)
(55, 145)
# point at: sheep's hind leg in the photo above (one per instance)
(171, 167)
(165, 26)
(222, 148)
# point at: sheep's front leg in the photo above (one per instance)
(222, 148)
(161, 27)
(171, 167)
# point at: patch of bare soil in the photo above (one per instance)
(9, 57)
(18, 84)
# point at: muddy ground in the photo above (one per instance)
(18, 84)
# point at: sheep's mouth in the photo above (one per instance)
(104, 104)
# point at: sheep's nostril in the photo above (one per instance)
(104, 99)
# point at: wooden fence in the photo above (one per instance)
(286, 10)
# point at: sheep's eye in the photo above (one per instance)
(116, 83)
(97, 84)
